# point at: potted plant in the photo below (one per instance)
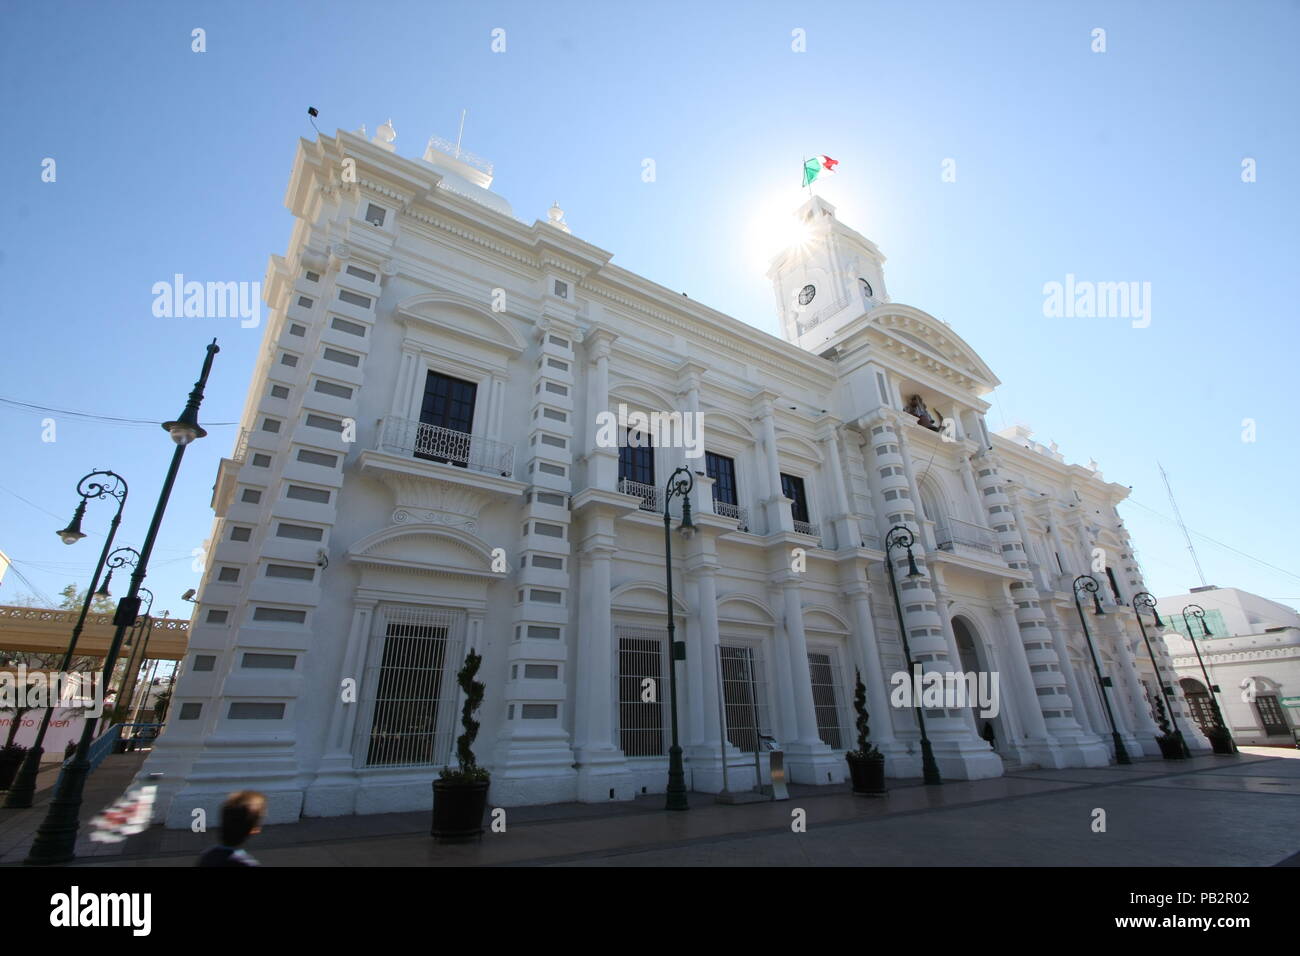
(1171, 744)
(460, 794)
(1221, 740)
(866, 764)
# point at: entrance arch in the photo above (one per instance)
(975, 660)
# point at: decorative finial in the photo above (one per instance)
(556, 216)
(385, 136)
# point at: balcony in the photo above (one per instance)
(952, 533)
(648, 494)
(400, 436)
(810, 528)
(726, 510)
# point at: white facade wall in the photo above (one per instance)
(331, 531)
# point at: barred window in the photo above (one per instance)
(641, 724)
(410, 683)
(826, 698)
(743, 695)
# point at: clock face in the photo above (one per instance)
(865, 286)
(806, 294)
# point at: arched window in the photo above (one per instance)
(865, 288)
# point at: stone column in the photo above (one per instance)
(867, 654)
(779, 516)
(602, 463)
(843, 521)
(808, 758)
(594, 744)
(334, 789)
(1018, 670)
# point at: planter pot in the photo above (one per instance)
(458, 810)
(867, 774)
(10, 761)
(1221, 741)
(1171, 748)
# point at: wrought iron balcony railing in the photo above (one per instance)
(240, 453)
(954, 531)
(727, 510)
(434, 443)
(810, 528)
(648, 494)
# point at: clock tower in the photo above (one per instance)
(827, 280)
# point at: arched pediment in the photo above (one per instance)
(798, 447)
(819, 617)
(725, 423)
(460, 316)
(924, 340)
(743, 609)
(644, 596)
(425, 548)
(640, 397)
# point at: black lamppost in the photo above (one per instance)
(97, 484)
(900, 536)
(1146, 599)
(135, 643)
(56, 839)
(1087, 582)
(1222, 739)
(676, 487)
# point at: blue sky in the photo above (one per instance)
(1115, 166)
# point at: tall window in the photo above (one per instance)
(446, 419)
(742, 698)
(1270, 714)
(637, 463)
(640, 722)
(723, 472)
(792, 487)
(411, 719)
(825, 700)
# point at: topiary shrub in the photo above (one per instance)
(468, 770)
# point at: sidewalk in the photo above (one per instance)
(104, 785)
(1208, 811)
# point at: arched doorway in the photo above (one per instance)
(975, 660)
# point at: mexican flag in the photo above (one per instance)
(812, 168)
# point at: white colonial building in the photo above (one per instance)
(1252, 654)
(420, 473)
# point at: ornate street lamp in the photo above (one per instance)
(1221, 740)
(56, 839)
(676, 487)
(1086, 582)
(1146, 599)
(901, 536)
(97, 484)
(136, 643)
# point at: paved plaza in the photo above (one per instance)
(1208, 811)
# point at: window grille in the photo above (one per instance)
(826, 698)
(641, 725)
(410, 697)
(744, 696)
